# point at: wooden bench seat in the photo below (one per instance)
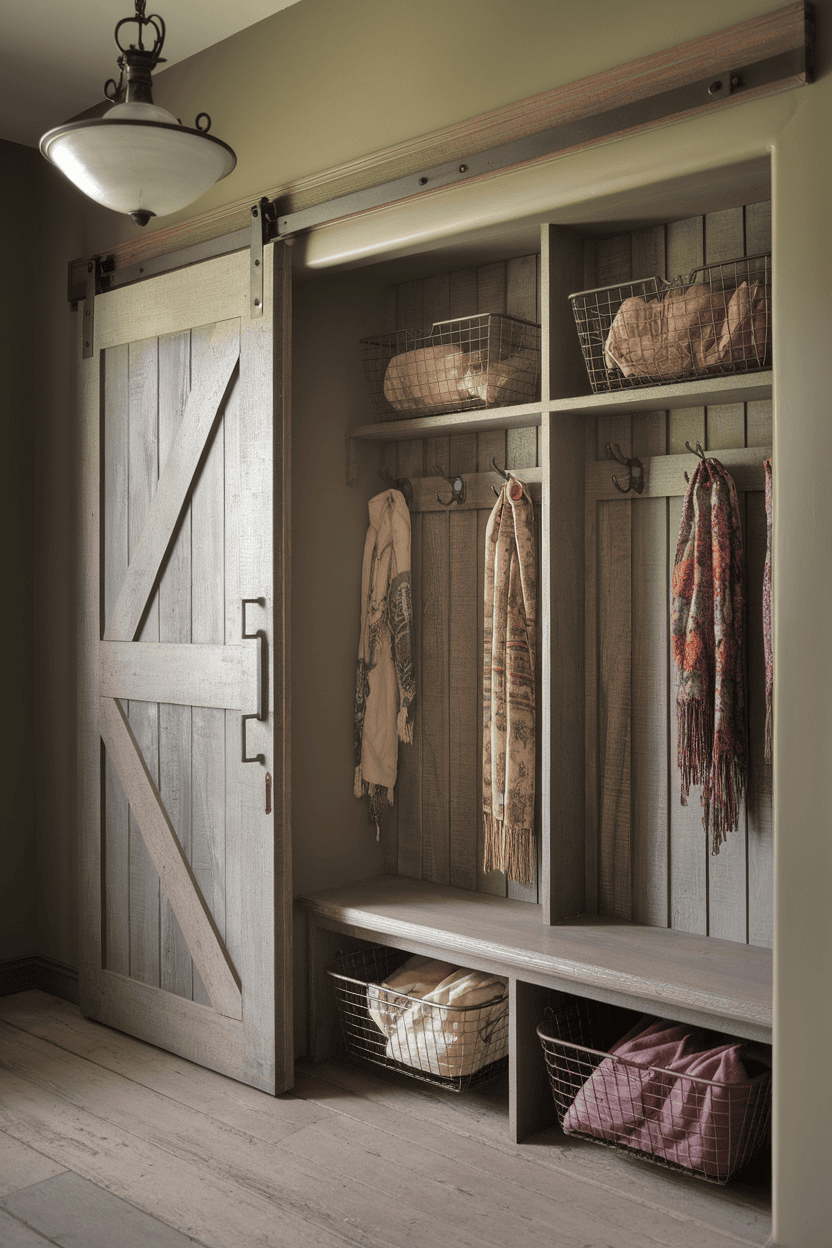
(715, 983)
(712, 983)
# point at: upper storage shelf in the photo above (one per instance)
(705, 391)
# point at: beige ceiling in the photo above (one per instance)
(56, 55)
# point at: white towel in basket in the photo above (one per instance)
(440, 1034)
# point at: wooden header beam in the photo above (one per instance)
(767, 54)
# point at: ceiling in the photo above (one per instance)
(55, 57)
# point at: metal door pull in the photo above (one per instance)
(258, 714)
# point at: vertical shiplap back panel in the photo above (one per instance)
(436, 572)
(436, 824)
(675, 880)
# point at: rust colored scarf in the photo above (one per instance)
(707, 630)
(509, 644)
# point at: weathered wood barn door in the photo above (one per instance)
(186, 897)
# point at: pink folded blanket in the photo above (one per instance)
(669, 1091)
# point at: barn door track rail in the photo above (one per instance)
(759, 57)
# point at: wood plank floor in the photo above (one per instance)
(107, 1141)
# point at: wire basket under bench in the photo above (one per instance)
(710, 1128)
(453, 1047)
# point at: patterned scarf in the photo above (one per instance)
(707, 628)
(767, 619)
(508, 756)
(384, 684)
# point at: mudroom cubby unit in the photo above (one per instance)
(628, 906)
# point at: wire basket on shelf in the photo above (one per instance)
(453, 1047)
(704, 1127)
(487, 360)
(650, 332)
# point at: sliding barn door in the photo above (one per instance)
(186, 898)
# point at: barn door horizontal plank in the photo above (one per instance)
(177, 878)
(182, 674)
(198, 419)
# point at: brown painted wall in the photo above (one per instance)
(18, 525)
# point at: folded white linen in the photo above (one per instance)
(454, 1027)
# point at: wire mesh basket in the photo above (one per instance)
(453, 1047)
(703, 1127)
(487, 360)
(650, 332)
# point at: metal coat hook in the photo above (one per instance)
(635, 471)
(398, 483)
(503, 473)
(457, 485)
(695, 450)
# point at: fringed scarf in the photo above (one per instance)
(707, 629)
(508, 757)
(384, 684)
(767, 619)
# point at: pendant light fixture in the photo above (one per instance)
(137, 158)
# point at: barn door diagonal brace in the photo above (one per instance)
(263, 230)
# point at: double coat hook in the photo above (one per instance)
(635, 471)
(398, 483)
(457, 485)
(695, 450)
(502, 471)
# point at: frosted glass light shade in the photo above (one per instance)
(138, 159)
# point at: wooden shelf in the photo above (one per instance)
(705, 391)
(522, 416)
(697, 979)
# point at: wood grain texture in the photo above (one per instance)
(175, 721)
(664, 475)
(489, 446)
(409, 781)
(143, 450)
(167, 856)
(152, 539)
(563, 808)
(198, 674)
(114, 539)
(165, 305)
(440, 1152)
(435, 688)
(216, 551)
(614, 717)
(760, 827)
(677, 972)
(209, 593)
(531, 1107)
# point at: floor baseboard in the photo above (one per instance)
(36, 971)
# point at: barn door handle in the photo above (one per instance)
(258, 637)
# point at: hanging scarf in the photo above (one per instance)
(707, 628)
(767, 619)
(384, 684)
(508, 757)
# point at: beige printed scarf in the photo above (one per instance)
(384, 684)
(509, 644)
